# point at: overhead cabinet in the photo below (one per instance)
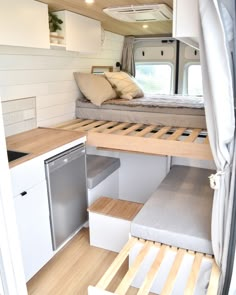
(186, 21)
(79, 33)
(24, 23)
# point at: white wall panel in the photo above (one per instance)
(47, 74)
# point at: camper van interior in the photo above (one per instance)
(117, 131)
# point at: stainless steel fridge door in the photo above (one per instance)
(67, 191)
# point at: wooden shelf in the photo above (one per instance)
(143, 138)
(56, 36)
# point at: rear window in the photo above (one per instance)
(194, 80)
(154, 78)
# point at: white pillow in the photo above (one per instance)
(94, 87)
(124, 85)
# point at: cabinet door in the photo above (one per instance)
(32, 216)
(83, 34)
(186, 21)
(24, 23)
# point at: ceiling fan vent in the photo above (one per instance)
(140, 13)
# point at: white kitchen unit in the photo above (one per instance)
(80, 33)
(32, 214)
(24, 23)
(32, 209)
(186, 21)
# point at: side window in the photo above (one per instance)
(155, 77)
(193, 78)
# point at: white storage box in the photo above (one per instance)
(109, 222)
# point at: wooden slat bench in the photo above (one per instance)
(191, 277)
(143, 138)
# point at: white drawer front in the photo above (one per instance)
(26, 175)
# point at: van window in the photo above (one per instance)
(194, 79)
(154, 77)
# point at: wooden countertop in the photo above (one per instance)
(39, 141)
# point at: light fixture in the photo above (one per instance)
(145, 26)
(89, 1)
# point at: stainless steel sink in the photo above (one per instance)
(14, 155)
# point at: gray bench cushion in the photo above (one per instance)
(179, 212)
(99, 168)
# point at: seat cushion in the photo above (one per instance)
(99, 168)
(179, 212)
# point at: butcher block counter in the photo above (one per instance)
(40, 141)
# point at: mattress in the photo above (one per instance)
(179, 211)
(179, 111)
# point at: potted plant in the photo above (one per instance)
(54, 25)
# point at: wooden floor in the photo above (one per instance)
(74, 268)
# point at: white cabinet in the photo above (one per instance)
(34, 229)
(32, 215)
(24, 23)
(186, 21)
(80, 33)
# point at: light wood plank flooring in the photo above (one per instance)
(74, 268)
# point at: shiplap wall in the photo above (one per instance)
(48, 76)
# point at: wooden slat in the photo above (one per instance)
(103, 127)
(91, 125)
(128, 278)
(145, 131)
(214, 280)
(67, 123)
(206, 140)
(151, 275)
(112, 270)
(115, 128)
(194, 134)
(97, 291)
(77, 125)
(148, 145)
(176, 134)
(161, 132)
(192, 279)
(169, 284)
(100, 134)
(130, 129)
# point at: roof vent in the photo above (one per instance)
(140, 13)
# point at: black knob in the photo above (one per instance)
(23, 193)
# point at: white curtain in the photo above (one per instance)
(219, 107)
(127, 59)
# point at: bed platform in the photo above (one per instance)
(191, 281)
(144, 138)
(171, 110)
(198, 262)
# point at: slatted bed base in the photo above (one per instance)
(171, 281)
(150, 139)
